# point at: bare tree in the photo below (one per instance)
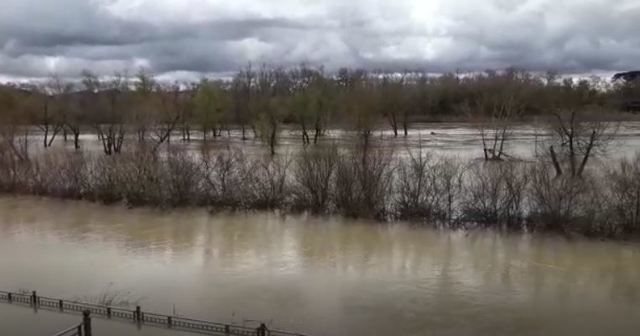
(10, 120)
(169, 113)
(50, 107)
(75, 116)
(272, 88)
(577, 137)
(109, 117)
(242, 93)
(393, 102)
(144, 105)
(360, 96)
(302, 100)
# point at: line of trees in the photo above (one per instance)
(259, 101)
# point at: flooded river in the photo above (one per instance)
(321, 276)
(455, 139)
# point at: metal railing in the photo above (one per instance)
(75, 330)
(139, 316)
(82, 329)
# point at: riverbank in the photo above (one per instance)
(378, 184)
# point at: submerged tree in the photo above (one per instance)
(48, 107)
(144, 105)
(577, 137)
(242, 88)
(109, 115)
(272, 88)
(360, 99)
(210, 105)
(394, 103)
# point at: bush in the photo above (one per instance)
(495, 194)
(60, 174)
(623, 195)
(426, 188)
(314, 171)
(357, 183)
(363, 183)
(560, 203)
(224, 178)
(183, 179)
(267, 186)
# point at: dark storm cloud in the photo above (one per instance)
(38, 37)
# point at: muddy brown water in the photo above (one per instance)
(321, 276)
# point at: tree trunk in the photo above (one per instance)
(272, 141)
(394, 125)
(405, 126)
(554, 159)
(587, 154)
(53, 136)
(46, 135)
(76, 140)
(305, 135)
(317, 134)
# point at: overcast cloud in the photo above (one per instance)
(183, 38)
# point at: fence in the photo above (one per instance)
(82, 329)
(139, 316)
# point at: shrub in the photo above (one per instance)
(224, 178)
(560, 203)
(266, 186)
(623, 195)
(363, 183)
(314, 171)
(494, 194)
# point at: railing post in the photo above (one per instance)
(227, 330)
(34, 298)
(138, 314)
(86, 322)
(262, 330)
(61, 304)
(9, 298)
(169, 321)
(108, 312)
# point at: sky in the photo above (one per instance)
(183, 39)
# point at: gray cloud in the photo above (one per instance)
(178, 38)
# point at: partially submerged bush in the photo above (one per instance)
(60, 174)
(559, 203)
(623, 195)
(184, 179)
(363, 183)
(224, 178)
(314, 173)
(427, 188)
(267, 186)
(495, 194)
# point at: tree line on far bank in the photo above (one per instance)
(258, 101)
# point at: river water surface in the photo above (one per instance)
(321, 276)
(454, 139)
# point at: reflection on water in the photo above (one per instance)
(324, 276)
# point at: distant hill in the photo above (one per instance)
(628, 76)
